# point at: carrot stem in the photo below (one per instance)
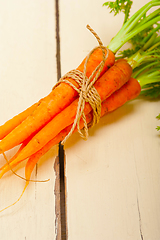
(135, 25)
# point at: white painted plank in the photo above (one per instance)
(113, 178)
(27, 73)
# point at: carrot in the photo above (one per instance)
(124, 35)
(112, 80)
(127, 92)
(8, 126)
(35, 157)
(24, 143)
(56, 101)
(19, 150)
(14, 157)
(47, 109)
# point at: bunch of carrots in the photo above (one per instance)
(48, 122)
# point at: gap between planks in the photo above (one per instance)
(59, 167)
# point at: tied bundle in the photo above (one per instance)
(98, 86)
(87, 92)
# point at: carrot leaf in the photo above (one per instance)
(137, 28)
(148, 76)
(152, 90)
(148, 53)
(158, 127)
(158, 117)
(120, 6)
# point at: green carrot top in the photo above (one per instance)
(137, 25)
(142, 31)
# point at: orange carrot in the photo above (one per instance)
(112, 80)
(14, 157)
(19, 150)
(8, 126)
(56, 101)
(24, 143)
(128, 91)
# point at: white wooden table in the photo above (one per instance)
(113, 179)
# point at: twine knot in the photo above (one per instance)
(86, 91)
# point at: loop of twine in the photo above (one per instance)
(87, 92)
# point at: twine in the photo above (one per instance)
(86, 91)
